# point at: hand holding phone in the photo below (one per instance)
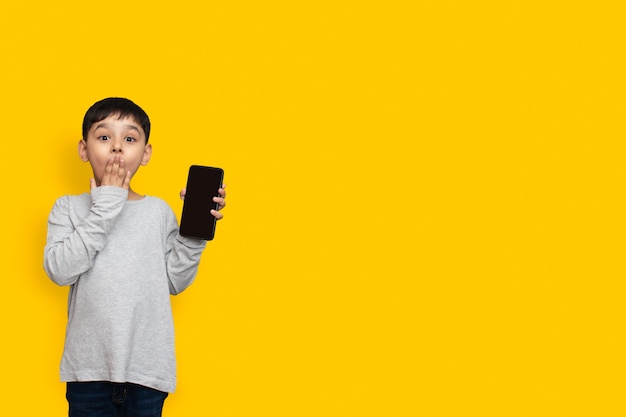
(203, 183)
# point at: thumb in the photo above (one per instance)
(92, 183)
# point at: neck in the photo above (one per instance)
(133, 195)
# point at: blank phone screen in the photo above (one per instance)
(203, 184)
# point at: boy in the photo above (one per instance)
(122, 256)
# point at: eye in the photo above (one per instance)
(103, 138)
(130, 139)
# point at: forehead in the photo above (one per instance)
(114, 121)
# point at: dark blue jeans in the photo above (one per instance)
(108, 399)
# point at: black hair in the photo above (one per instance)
(122, 107)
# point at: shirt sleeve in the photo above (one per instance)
(73, 241)
(182, 257)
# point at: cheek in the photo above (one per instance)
(135, 160)
(98, 163)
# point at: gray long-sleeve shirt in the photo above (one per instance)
(122, 260)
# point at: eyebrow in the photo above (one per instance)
(105, 125)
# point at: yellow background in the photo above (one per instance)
(426, 211)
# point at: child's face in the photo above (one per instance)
(111, 137)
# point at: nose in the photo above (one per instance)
(116, 147)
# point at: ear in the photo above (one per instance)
(147, 154)
(82, 150)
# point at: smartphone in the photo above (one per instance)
(202, 185)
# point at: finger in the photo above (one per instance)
(122, 173)
(217, 214)
(115, 169)
(106, 177)
(112, 172)
(126, 184)
(92, 184)
(183, 192)
(221, 203)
